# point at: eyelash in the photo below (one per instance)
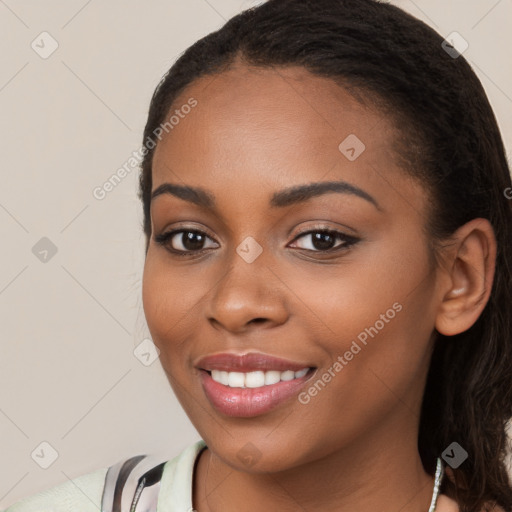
(163, 239)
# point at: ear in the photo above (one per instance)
(467, 277)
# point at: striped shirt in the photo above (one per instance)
(171, 492)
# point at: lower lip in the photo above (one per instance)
(248, 402)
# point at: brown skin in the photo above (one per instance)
(354, 445)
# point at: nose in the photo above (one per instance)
(248, 295)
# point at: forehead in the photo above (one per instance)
(276, 127)
(278, 104)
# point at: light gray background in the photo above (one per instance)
(69, 326)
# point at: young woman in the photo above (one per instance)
(328, 272)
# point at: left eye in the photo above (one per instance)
(322, 240)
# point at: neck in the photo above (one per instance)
(378, 471)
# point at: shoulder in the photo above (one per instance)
(82, 493)
(446, 504)
(94, 492)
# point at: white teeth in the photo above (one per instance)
(272, 377)
(288, 375)
(255, 379)
(220, 376)
(301, 373)
(236, 379)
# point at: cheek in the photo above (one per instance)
(169, 303)
(375, 370)
(339, 302)
(378, 316)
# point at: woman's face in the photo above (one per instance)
(357, 306)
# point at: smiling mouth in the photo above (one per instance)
(255, 392)
(258, 378)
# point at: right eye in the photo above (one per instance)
(190, 241)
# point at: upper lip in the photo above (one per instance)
(252, 361)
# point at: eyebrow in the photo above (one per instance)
(281, 199)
